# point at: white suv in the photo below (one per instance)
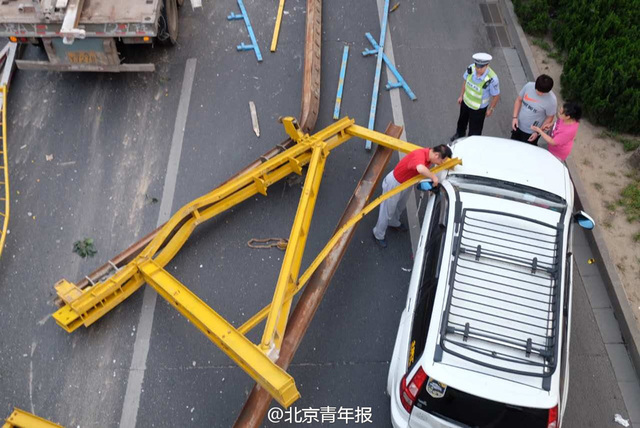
(484, 337)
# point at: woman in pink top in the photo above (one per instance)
(564, 131)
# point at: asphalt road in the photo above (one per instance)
(110, 137)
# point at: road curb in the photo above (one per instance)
(620, 303)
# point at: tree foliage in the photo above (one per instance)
(600, 41)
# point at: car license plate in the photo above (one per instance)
(82, 57)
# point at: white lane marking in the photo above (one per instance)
(143, 336)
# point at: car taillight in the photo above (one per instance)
(552, 421)
(408, 393)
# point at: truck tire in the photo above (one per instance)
(168, 23)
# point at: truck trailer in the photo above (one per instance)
(84, 35)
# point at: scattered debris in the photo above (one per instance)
(376, 79)
(276, 29)
(254, 118)
(279, 243)
(49, 158)
(394, 7)
(343, 71)
(151, 199)
(85, 248)
(591, 261)
(620, 420)
(400, 82)
(406, 269)
(254, 43)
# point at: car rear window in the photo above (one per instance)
(457, 406)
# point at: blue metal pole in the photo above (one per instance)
(376, 79)
(343, 71)
(254, 43)
(401, 83)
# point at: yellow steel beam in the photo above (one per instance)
(86, 306)
(382, 139)
(277, 319)
(104, 296)
(247, 355)
(276, 30)
(21, 419)
(262, 314)
(4, 211)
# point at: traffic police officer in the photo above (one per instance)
(478, 97)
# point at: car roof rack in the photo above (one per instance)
(503, 304)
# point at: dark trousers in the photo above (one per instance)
(523, 136)
(473, 118)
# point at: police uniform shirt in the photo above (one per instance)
(493, 88)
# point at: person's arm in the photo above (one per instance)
(548, 138)
(462, 92)
(516, 111)
(548, 121)
(422, 169)
(492, 105)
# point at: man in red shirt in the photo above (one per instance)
(417, 162)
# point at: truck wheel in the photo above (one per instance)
(168, 23)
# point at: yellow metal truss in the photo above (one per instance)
(4, 196)
(21, 419)
(84, 307)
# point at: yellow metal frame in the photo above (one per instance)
(5, 170)
(21, 419)
(84, 307)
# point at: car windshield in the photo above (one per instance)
(507, 190)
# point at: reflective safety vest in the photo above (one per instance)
(473, 94)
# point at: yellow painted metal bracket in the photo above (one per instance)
(279, 314)
(382, 139)
(240, 349)
(84, 307)
(21, 419)
(4, 197)
(260, 316)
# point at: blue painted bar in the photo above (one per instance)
(343, 71)
(401, 83)
(376, 79)
(254, 43)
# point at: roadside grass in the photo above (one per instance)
(628, 144)
(630, 201)
(551, 52)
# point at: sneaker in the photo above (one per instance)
(381, 242)
(455, 136)
(402, 228)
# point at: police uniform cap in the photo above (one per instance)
(481, 58)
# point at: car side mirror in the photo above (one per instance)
(584, 220)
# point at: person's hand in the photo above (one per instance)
(533, 137)
(460, 99)
(514, 124)
(435, 180)
(489, 112)
(547, 126)
(536, 129)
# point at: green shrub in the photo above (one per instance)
(601, 52)
(534, 15)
